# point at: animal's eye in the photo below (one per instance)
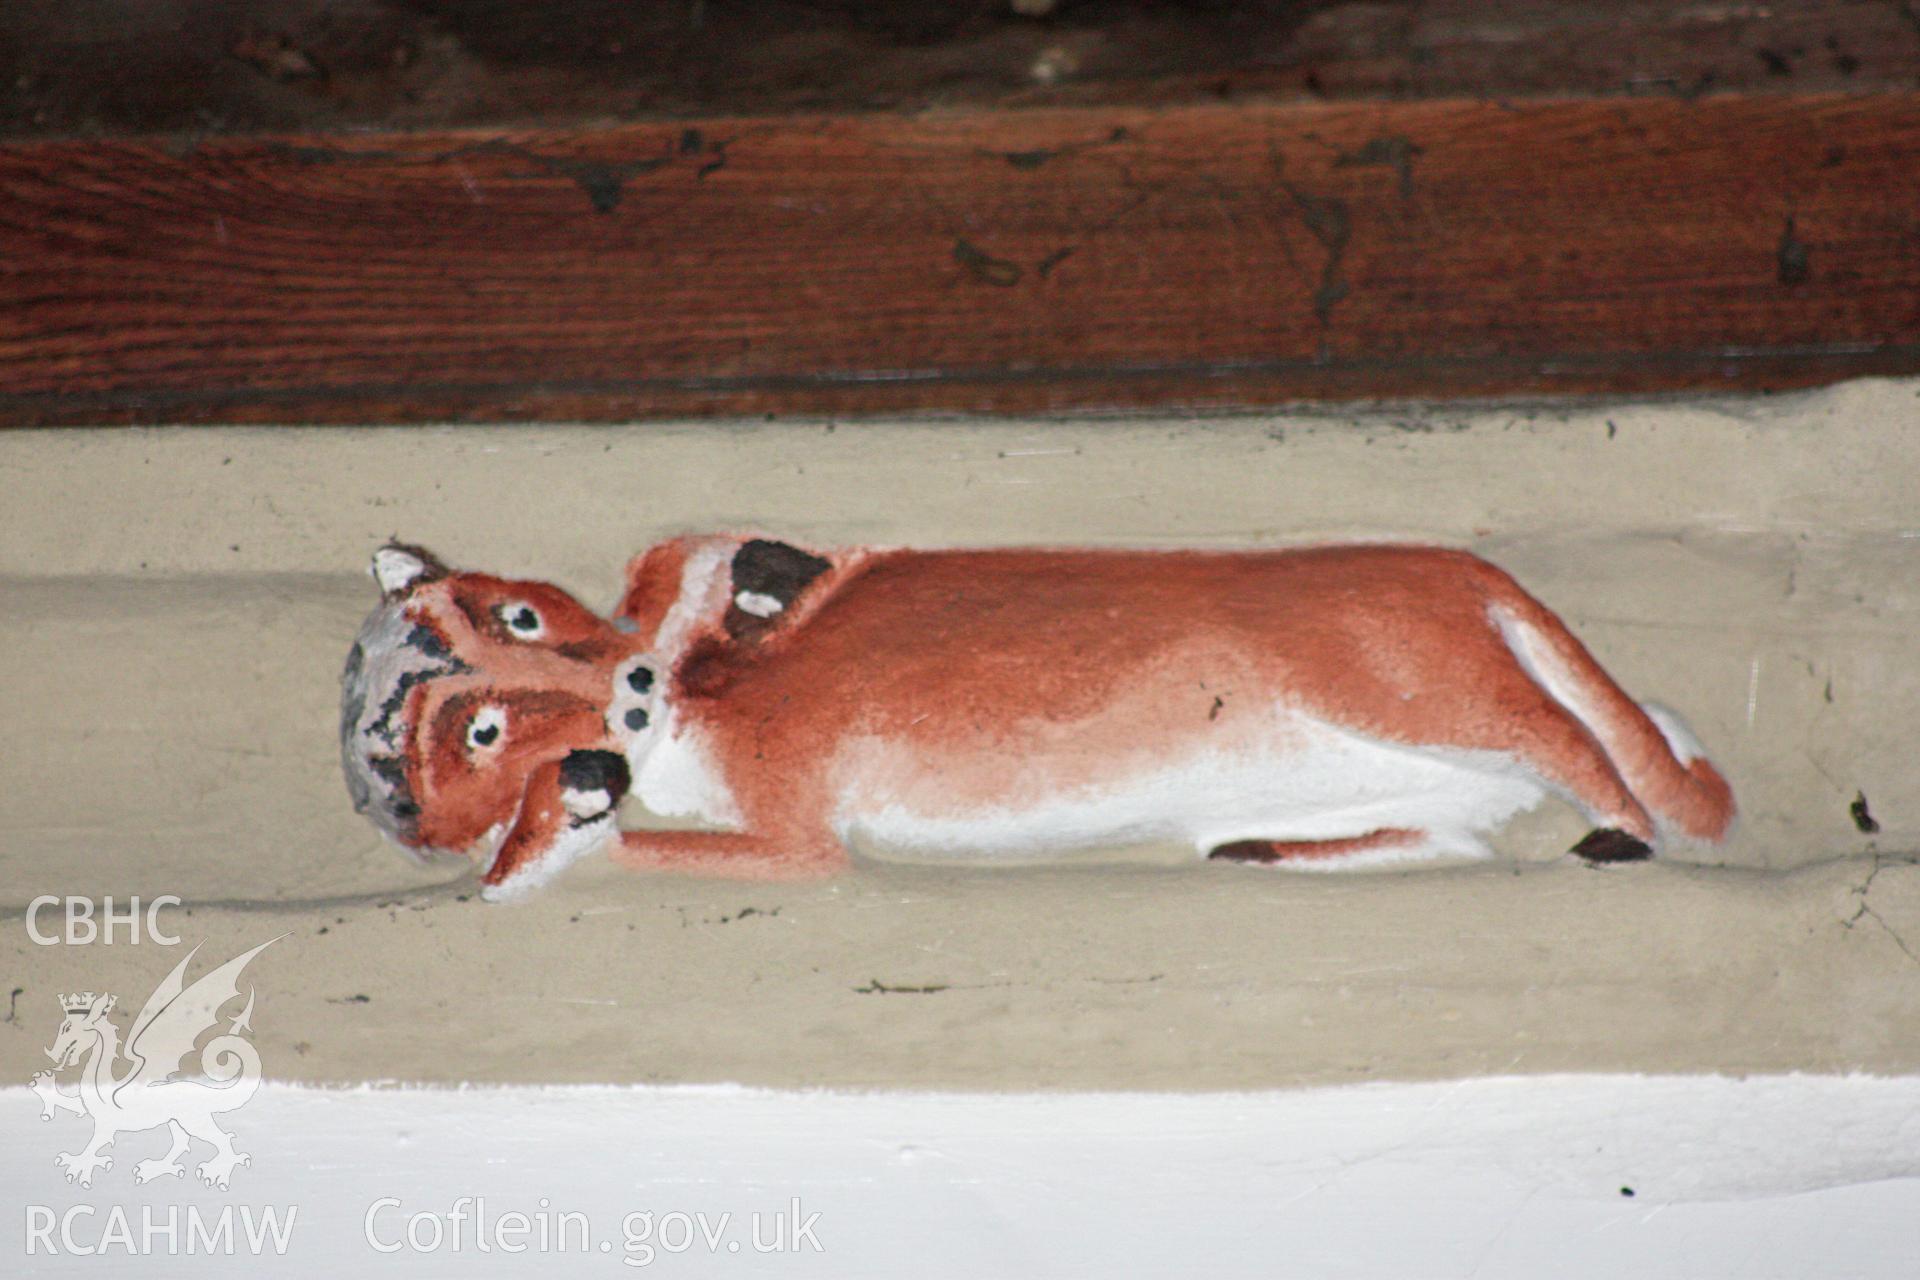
(486, 728)
(522, 619)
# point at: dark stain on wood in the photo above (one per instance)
(1045, 266)
(983, 266)
(1792, 264)
(1326, 217)
(1395, 152)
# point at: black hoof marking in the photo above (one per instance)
(1609, 844)
(1260, 851)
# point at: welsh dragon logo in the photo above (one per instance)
(153, 1090)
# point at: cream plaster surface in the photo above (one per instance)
(179, 604)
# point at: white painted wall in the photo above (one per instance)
(1797, 1176)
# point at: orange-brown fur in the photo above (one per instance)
(997, 678)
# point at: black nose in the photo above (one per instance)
(596, 771)
(640, 679)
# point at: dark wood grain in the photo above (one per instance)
(1052, 259)
(113, 68)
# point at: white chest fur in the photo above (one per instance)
(674, 777)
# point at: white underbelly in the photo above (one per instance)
(1325, 783)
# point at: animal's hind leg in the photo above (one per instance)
(1549, 739)
(1273, 852)
(216, 1171)
(167, 1166)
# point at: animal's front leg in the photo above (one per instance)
(53, 1098)
(567, 811)
(217, 1170)
(80, 1167)
(734, 855)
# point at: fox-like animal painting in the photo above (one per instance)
(1318, 707)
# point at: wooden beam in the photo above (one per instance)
(1089, 258)
(119, 68)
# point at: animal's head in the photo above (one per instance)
(85, 1022)
(463, 691)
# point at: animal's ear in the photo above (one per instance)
(399, 568)
(768, 577)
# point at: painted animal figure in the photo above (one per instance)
(1318, 707)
